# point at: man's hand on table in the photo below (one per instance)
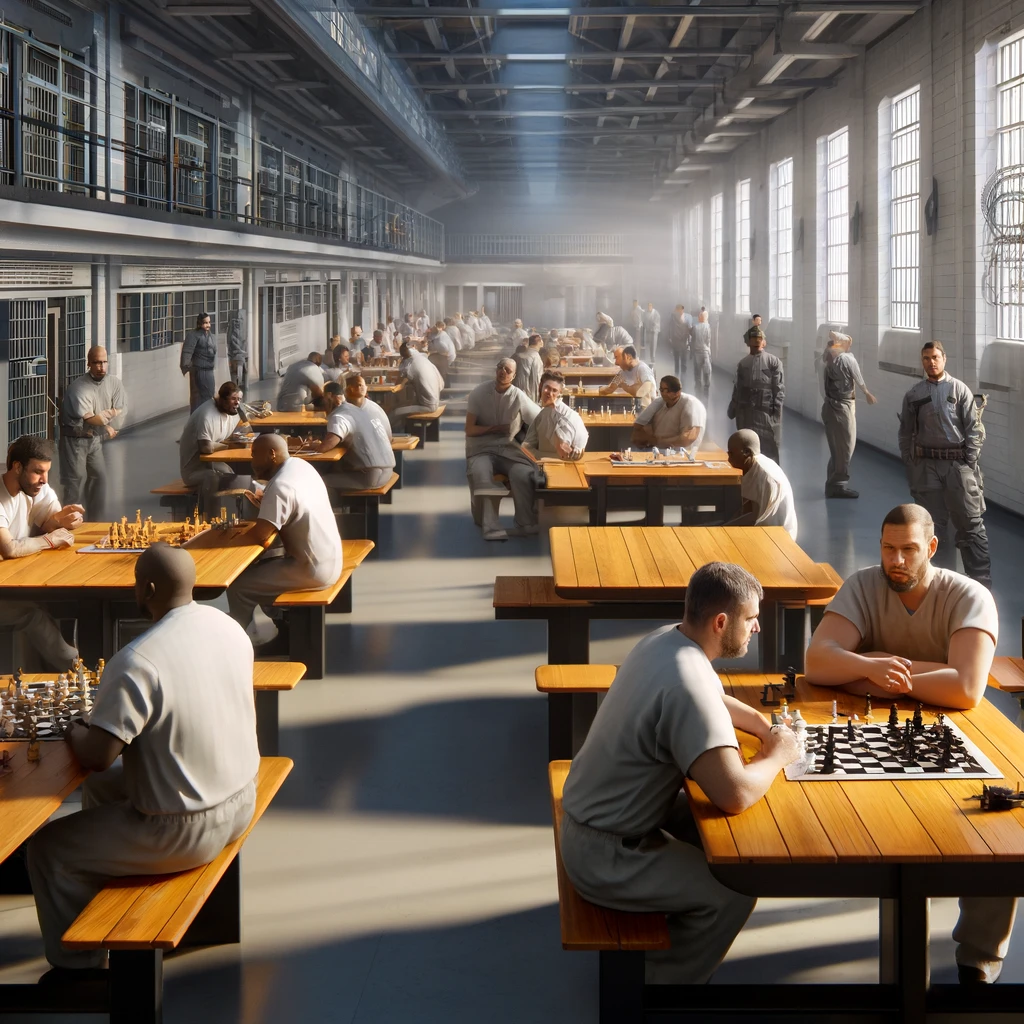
(70, 517)
(890, 672)
(781, 743)
(60, 538)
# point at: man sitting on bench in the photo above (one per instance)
(303, 384)
(423, 383)
(176, 705)
(675, 420)
(362, 425)
(628, 840)
(207, 431)
(295, 506)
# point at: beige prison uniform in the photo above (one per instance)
(670, 422)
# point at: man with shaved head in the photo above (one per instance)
(92, 411)
(907, 628)
(296, 508)
(303, 384)
(495, 412)
(422, 383)
(176, 706)
(766, 491)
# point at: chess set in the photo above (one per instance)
(864, 749)
(43, 710)
(669, 457)
(134, 538)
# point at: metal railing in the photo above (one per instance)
(178, 159)
(533, 246)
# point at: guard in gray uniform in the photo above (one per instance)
(198, 356)
(758, 394)
(679, 328)
(238, 350)
(940, 443)
(652, 328)
(840, 377)
(700, 349)
(92, 411)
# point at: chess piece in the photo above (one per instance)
(851, 735)
(918, 718)
(789, 677)
(828, 764)
(894, 719)
(869, 716)
(835, 712)
(946, 756)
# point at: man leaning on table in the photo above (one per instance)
(906, 628)
(628, 839)
(675, 420)
(32, 519)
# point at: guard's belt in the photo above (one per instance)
(950, 454)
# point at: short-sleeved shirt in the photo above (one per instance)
(425, 381)
(952, 602)
(638, 374)
(180, 696)
(86, 397)
(297, 505)
(491, 407)
(366, 433)
(442, 342)
(296, 388)
(669, 423)
(663, 711)
(19, 513)
(769, 489)
(207, 423)
(556, 423)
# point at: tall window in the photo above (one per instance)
(743, 246)
(1009, 213)
(781, 240)
(905, 211)
(695, 251)
(716, 251)
(837, 227)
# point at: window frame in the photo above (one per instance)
(741, 297)
(905, 211)
(781, 239)
(717, 252)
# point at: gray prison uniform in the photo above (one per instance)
(627, 839)
(652, 328)
(180, 698)
(83, 467)
(679, 329)
(700, 349)
(423, 388)
(297, 505)
(940, 443)
(495, 453)
(296, 388)
(238, 350)
(635, 322)
(637, 381)
(840, 377)
(757, 398)
(23, 515)
(366, 432)
(198, 358)
(556, 423)
(207, 423)
(529, 367)
(953, 602)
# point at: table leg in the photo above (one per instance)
(599, 502)
(136, 986)
(655, 503)
(399, 465)
(769, 646)
(568, 637)
(267, 728)
(914, 969)
(620, 987)
(794, 635)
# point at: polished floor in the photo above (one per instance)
(404, 874)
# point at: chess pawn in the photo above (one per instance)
(784, 716)
(100, 666)
(835, 712)
(138, 519)
(869, 716)
(34, 751)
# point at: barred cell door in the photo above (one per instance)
(24, 322)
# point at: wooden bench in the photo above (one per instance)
(179, 497)
(365, 509)
(573, 694)
(306, 610)
(269, 678)
(138, 919)
(400, 445)
(428, 423)
(620, 938)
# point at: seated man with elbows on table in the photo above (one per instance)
(362, 426)
(557, 432)
(296, 507)
(209, 430)
(303, 384)
(636, 378)
(766, 491)
(176, 706)
(32, 520)
(906, 628)
(628, 839)
(675, 420)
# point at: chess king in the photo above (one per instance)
(906, 628)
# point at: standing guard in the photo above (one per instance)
(758, 394)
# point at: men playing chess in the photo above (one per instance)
(32, 519)
(207, 431)
(675, 420)
(362, 426)
(184, 726)
(906, 628)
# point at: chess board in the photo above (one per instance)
(876, 754)
(50, 713)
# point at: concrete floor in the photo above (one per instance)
(405, 872)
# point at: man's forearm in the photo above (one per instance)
(25, 546)
(831, 665)
(746, 718)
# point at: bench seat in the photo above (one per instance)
(400, 445)
(1007, 674)
(269, 678)
(306, 610)
(365, 505)
(429, 423)
(138, 919)
(179, 497)
(573, 693)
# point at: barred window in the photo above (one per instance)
(837, 227)
(743, 246)
(716, 251)
(905, 211)
(1008, 281)
(695, 244)
(781, 239)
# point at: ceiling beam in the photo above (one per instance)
(624, 111)
(590, 57)
(766, 11)
(677, 37)
(588, 87)
(208, 10)
(568, 133)
(248, 56)
(625, 35)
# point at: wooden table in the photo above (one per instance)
(899, 842)
(650, 567)
(610, 431)
(243, 456)
(99, 589)
(594, 481)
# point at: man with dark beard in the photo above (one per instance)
(628, 840)
(906, 628)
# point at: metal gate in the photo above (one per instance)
(71, 358)
(26, 367)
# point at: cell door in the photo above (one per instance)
(54, 328)
(26, 368)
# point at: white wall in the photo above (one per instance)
(943, 49)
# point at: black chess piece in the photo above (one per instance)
(918, 718)
(828, 764)
(894, 718)
(789, 678)
(946, 757)
(851, 735)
